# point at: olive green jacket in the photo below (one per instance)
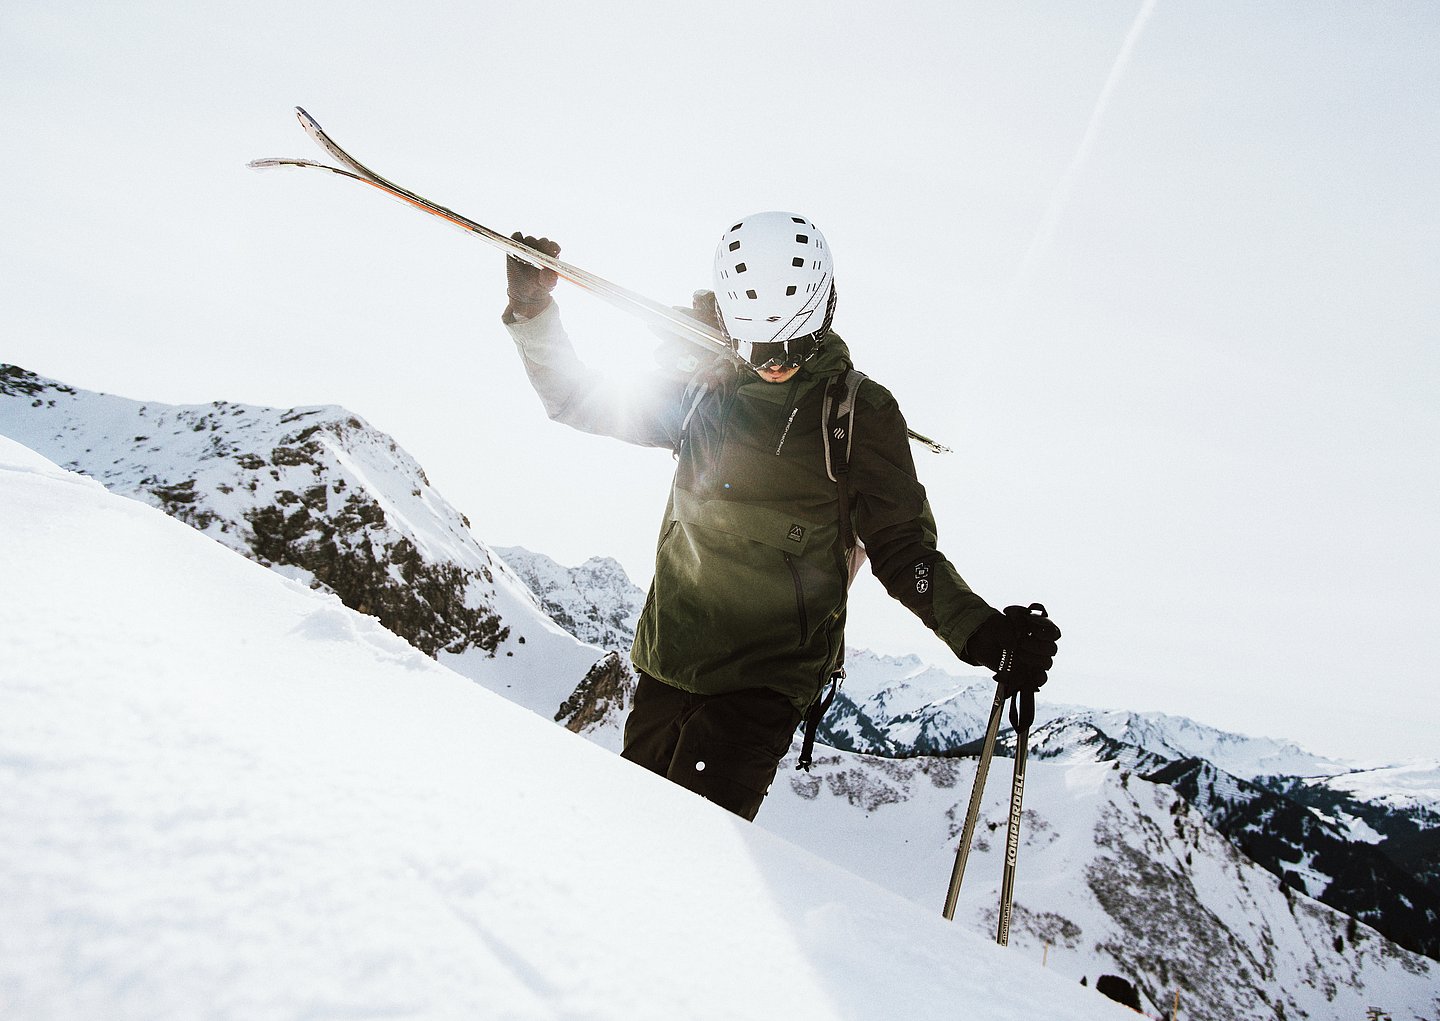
(751, 571)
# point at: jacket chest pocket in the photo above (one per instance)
(770, 457)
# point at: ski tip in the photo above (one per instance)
(304, 117)
(929, 444)
(270, 162)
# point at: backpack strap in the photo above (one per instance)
(702, 371)
(838, 421)
(837, 418)
(701, 383)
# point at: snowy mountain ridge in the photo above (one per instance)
(322, 497)
(553, 673)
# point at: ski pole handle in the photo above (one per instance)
(1007, 660)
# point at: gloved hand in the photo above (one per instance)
(528, 286)
(1018, 645)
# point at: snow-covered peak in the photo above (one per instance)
(1178, 737)
(323, 498)
(212, 464)
(596, 602)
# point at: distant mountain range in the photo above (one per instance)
(1254, 878)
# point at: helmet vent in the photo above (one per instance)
(787, 270)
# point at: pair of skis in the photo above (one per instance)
(651, 312)
(1022, 715)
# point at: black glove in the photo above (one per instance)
(529, 286)
(1018, 645)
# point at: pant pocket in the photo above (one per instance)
(730, 748)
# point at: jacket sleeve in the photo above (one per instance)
(894, 521)
(644, 410)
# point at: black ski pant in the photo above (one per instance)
(725, 748)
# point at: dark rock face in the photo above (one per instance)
(602, 697)
(1279, 831)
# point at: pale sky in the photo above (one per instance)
(1163, 274)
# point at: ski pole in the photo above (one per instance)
(622, 298)
(977, 794)
(1021, 716)
(977, 790)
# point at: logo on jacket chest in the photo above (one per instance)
(797, 533)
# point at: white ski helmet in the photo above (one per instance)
(774, 279)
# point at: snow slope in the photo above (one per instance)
(224, 795)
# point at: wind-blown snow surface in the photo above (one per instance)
(223, 795)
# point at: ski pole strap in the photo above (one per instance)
(812, 721)
(1022, 711)
(1022, 703)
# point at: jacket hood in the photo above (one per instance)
(832, 359)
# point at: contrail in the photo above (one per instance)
(1046, 231)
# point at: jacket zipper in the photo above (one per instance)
(799, 599)
(787, 417)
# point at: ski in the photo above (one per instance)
(652, 312)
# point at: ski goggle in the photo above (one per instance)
(779, 354)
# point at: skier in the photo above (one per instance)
(744, 623)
